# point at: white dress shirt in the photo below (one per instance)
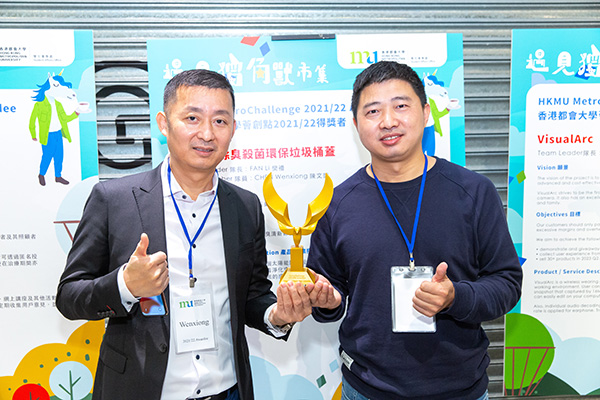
(206, 372)
(197, 373)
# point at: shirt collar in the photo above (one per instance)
(176, 187)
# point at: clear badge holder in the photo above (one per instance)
(193, 316)
(405, 282)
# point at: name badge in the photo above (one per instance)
(194, 322)
(405, 282)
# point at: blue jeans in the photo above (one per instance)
(53, 149)
(235, 395)
(349, 393)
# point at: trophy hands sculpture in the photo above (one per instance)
(297, 272)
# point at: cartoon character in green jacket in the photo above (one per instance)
(440, 105)
(52, 123)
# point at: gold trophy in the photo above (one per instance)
(297, 272)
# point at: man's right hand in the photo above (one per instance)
(146, 275)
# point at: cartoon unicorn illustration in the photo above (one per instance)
(52, 99)
(440, 104)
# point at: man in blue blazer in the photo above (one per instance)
(180, 231)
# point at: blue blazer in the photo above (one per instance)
(134, 351)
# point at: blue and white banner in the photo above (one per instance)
(553, 337)
(50, 161)
(294, 120)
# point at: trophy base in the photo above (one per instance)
(304, 277)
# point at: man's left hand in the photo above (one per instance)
(435, 296)
(293, 304)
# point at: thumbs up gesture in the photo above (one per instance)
(146, 275)
(435, 296)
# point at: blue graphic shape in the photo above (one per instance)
(71, 380)
(516, 309)
(515, 222)
(456, 89)
(86, 92)
(334, 365)
(269, 384)
(516, 143)
(578, 351)
(87, 125)
(522, 260)
(537, 79)
(581, 74)
(265, 49)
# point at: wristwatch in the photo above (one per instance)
(285, 328)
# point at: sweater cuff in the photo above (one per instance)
(464, 296)
(327, 315)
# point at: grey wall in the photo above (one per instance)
(122, 27)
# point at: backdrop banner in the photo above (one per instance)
(50, 162)
(294, 120)
(552, 341)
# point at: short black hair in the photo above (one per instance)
(384, 71)
(195, 77)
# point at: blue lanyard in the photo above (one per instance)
(410, 244)
(182, 222)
